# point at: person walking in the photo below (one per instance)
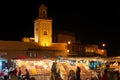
(105, 75)
(53, 71)
(71, 75)
(13, 73)
(6, 73)
(19, 74)
(27, 75)
(78, 70)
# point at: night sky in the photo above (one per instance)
(92, 22)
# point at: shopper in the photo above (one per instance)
(2, 75)
(6, 73)
(78, 73)
(71, 75)
(27, 75)
(19, 74)
(105, 75)
(15, 72)
(53, 71)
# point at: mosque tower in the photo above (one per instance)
(43, 28)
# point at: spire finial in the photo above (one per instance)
(43, 11)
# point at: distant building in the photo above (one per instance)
(85, 50)
(45, 43)
(39, 46)
(63, 36)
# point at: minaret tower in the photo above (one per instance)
(43, 11)
(43, 28)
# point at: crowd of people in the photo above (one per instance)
(14, 74)
(105, 74)
(110, 75)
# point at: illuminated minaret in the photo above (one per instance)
(43, 11)
(43, 28)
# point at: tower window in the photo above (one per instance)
(45, 33)
(36, 29)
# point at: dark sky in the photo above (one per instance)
(92, 22)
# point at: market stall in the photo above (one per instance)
(38, 68)
(114, 63)
(41, 68)
(72, 63)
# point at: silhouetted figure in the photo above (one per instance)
(15, 72)
(19, 74)
(105, 75)
(27, 75)
(53, 71)
(78, 73)
(71, 75)
(6, 73)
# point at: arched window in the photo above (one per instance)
(45, 33)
